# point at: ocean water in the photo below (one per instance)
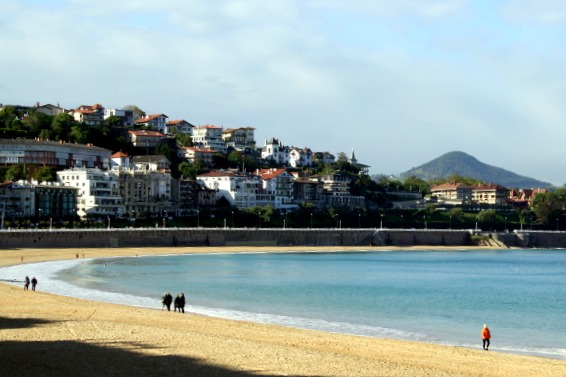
(440, 297)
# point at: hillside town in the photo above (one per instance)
(140, 181)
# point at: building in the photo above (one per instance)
(126, 116)
(33, 200)
(241, 139)
(154, 121)
(459, 193)
(89, 115)
(179, 126)
(364, 169)
(300, 157)
(209, 137)
(98, 191)
(336, 191)
(53, 154)
(279, 184)
(120, 160)
(191, 154)
(145, 138)
(151, 163)
(239, 189)
(146, 193)
(274, 151)
(323, 158)
(49, 109)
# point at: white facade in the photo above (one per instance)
(209, 137)
(275, 151)
(156, 121)
(50, 153)
(300, 157)
(127, 116)
(179, 127)
(98, 191)
(279, 184)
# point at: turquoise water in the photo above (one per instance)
(436, 296)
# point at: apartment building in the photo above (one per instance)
(209, 137)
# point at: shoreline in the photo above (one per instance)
(220, 346)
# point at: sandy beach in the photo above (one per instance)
(48, 335)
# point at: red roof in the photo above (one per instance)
(146, 133)
(119, 154)
(150, 118)
(270, 173)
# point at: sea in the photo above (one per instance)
(436, 296)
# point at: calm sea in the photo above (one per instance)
(435, 296)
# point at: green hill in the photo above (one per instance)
(463, 164)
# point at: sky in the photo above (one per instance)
(400, 82)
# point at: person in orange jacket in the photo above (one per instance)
(485, 335)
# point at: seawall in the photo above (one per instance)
(170, 237)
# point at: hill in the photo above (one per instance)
(465, 165)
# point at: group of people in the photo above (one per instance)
(27, 281)
(178, 303)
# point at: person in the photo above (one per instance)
(182, 303)
(176, 304)
(485, 335)
(26, 283)
(33, 283)
(166, 301)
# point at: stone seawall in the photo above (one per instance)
(170, 237)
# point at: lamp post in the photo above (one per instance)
(359, 221)
(424, 220)
(198, 218)
(232, 219)
(557, 225)
(450, 222)
(381, 222)
(505, 223)
(51, 223)
(402, 223)
(108, 217)
(311, 220)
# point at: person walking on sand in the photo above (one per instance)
(33, 283)
(182, 303)
(176, 304)
(166, 301)
(26, 283)
(485, 335)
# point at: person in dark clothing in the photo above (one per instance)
(176, 304)
(26, 283)
(166, 301)
(182, 303)
(33, 283)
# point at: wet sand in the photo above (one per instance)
(48, 335)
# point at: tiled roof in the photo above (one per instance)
(270, 173)
(119, 154)
(150, 117)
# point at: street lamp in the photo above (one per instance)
(450, 222)
(402, 223)
(198, 218)
(311, 220)
(424, 220)
(359, 221)
(108, 221)
(506, 223)
(557, 225)
(381, 222)
(232, 219)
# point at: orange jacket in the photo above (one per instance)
(485, 333)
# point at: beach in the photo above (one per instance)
(45, 334)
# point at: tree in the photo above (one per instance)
(15, 173)
(413, 183)
(79, 133)
(44, 174)
(138, 113)
(184, 140)
(489, 217)
(61, 126)
(543, 205)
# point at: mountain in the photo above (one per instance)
(465, 165)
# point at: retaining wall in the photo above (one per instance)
(168, 237)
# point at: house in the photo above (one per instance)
(279, 184)
(89, 115)
(193, 153)
(151, 163)
(496, 195)
(364, 169)
(154, 121)
(49, 109)
(120, 160)
(146, 193)
(209, 137)
(524, 197)
(273, 150)
(300, 157)
(336, 191)
(144, 138)
(323, 158)
(178, 126)
(239, 138)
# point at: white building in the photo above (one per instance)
(279, 184)
(274, 150)
(98, 191)
(300, 157)
(239, 138)
(240, 189)
(53, 154)
(154, 121)
(127, 116)
(209, 137)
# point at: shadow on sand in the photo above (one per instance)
(72, 358)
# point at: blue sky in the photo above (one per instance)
(399, 81)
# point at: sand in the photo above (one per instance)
(48, 335)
